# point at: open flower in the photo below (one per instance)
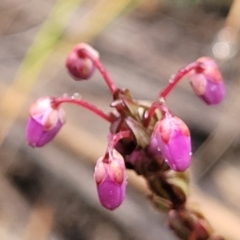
(173, 138)
(208, 84)
(44, 122)
(110, 177)
(79, 66)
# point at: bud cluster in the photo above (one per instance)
(144, 136)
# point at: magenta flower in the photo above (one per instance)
(208, 84)
(79, 66)
(44, 122)
(110, 177)
(153, 147)
(173, 139)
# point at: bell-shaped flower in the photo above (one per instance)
(173, 139)
(78, 64)
(208, 84)
(44, 122)
(110, 178)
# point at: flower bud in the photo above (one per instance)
(79, 66)
(173, 139)
(153, 146)
(44, 122)
(110, 177)
(208, 84)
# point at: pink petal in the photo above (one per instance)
(111, 194)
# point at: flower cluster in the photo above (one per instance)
(144, 136)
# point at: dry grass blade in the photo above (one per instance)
(40, 222)
(34, 61)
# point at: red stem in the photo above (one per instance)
(112, 143)
(102, 70)
(156, 105)
(117, 137)
(199, 67)
(57, 101)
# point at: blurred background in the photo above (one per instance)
(49, 193)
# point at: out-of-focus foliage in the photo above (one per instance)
(48, 38)
(215, 3)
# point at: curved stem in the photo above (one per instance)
(57, 101)
(156, 105)
(117, 137)
(199, 67)
(112, 143)
(102, 70)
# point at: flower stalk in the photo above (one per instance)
(79, 102)
(101, 69)
(197, 66)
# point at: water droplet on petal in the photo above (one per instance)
(190, 154)
(158, 149)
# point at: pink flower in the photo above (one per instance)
(79, 66)
(44, 122)
(110, 177)
(208, 84)
(153, 146)
(173, 138)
